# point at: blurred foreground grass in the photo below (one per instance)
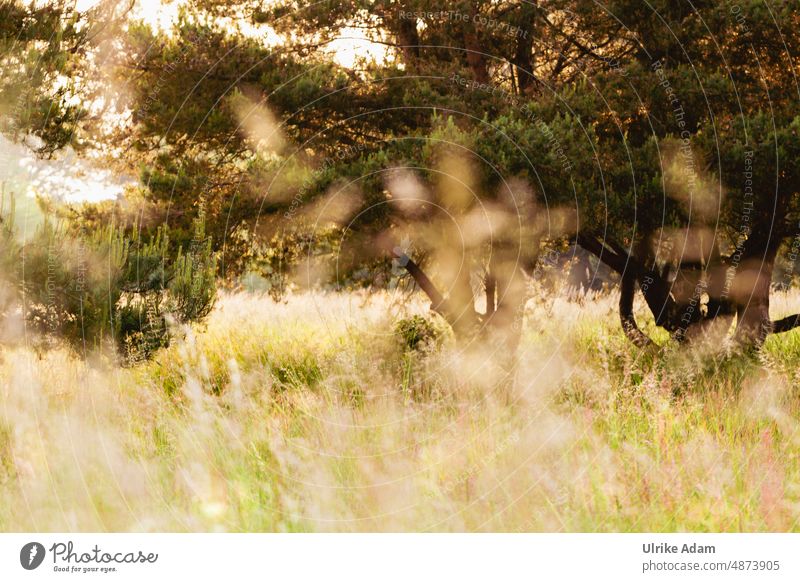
(311, 416)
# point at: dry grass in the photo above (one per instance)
(310, 416)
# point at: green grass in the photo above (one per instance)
(315, 416)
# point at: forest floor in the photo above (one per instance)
(312, 415)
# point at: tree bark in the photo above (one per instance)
(476, 57)
(462, 318)
(490, 286)
(786, 324)
(523, 55)
(626, 317)
(423, 282)
(408, 39)
(752, 288)
(654, 287)
(754, 325)
(505, 324)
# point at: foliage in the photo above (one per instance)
(419, 333)
(108, 285)
(191, 285)
(47, 77)
(623, 130)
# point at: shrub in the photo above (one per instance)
(419, 333)
(108, 285)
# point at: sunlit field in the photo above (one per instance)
(317, 415)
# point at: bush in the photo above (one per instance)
(108, 285)
(420, 333)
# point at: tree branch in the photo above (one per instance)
(421, 279)
(655, 289)
(786, 324)
(595, 246)
(626, 317)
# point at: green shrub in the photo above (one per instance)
(419, 333)
(108, 285)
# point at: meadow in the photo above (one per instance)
(317, 414)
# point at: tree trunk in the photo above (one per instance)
(751, 288)
(754, 324)
(476, 53)
(626, 317)
(523, 55)
(490, 285)
(505, 324)
(408, 39)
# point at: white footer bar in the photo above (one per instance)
(402, 557)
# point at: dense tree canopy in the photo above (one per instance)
(660, 136)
